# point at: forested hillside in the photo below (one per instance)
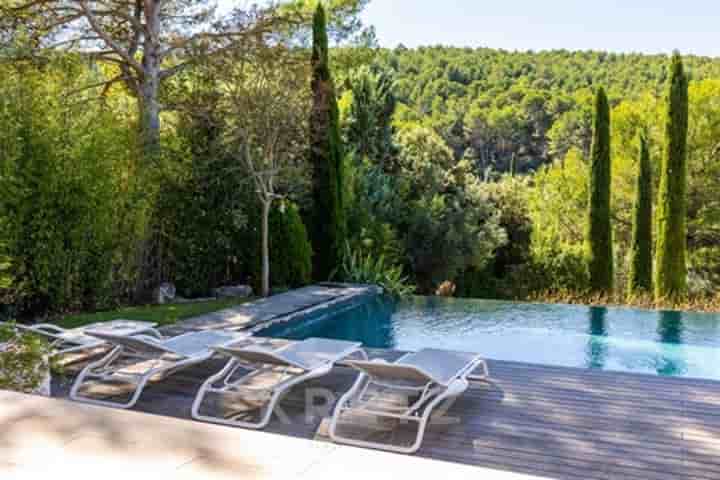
(522, 123)
(492, 106)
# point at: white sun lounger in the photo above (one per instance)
(272, 373)
(64, 341)
(137, 359)
(424, 379)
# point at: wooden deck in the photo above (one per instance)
(546, 421)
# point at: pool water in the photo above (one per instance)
(663, 343)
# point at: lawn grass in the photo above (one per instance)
(160, 314)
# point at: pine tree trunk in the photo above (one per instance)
(640, 278)
(150, 84)
(671, 254)
(599, 248)
(150, 118)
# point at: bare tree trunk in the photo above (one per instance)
(266, 247)
(150, 83)
(150, 116)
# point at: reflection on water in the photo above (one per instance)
(670, 327)
(597, 349)
(670, 330)
(662, 343)
(369, 323)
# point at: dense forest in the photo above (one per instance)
(306, 142)
(522, 123)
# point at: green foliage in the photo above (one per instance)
(599, 249)
(205, 207)
(367, 121)
(671, 256)
(640, 277)
(372, 205)
(328, 223)
(366, 268)
(24, 360)
(505, 274)
(444, 220)
(290, 249)
(68, 182)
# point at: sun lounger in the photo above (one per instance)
(74, 340)
(267, 375)
(421, 380)
(138, 359)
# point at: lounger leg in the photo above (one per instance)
(481, 377)
(277, 394)
(456, 389)
(88, 373)
(207, 386)
(139, 384)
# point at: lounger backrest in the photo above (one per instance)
(258, 355)
(140, 344)
(391, 373)
(197, 344)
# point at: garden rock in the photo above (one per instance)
(164, 293)
(237, 291)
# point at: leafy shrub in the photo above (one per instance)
(359, 267)
(560, 269)
(24, 360)
(67, 181)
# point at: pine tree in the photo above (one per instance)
(327, 223)
(599, 233)
(640, 279)
(670, 259)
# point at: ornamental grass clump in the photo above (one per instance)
(358, 267)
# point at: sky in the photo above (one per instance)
(647, 26)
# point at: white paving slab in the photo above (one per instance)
(57, 439)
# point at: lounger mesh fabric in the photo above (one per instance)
(307, 354)
(443, 366)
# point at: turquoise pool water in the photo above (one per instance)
(662, 343)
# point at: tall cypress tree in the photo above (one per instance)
(640, 279)
(327, 223)
(598, 240)
(670, 259)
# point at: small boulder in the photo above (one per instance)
(164, 293)
(233, 291)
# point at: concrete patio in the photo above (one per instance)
(48, 438)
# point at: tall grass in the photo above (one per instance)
(696, 303)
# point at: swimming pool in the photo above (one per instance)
(663, 343)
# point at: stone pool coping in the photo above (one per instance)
(51, 438)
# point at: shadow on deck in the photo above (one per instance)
(540, 420)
